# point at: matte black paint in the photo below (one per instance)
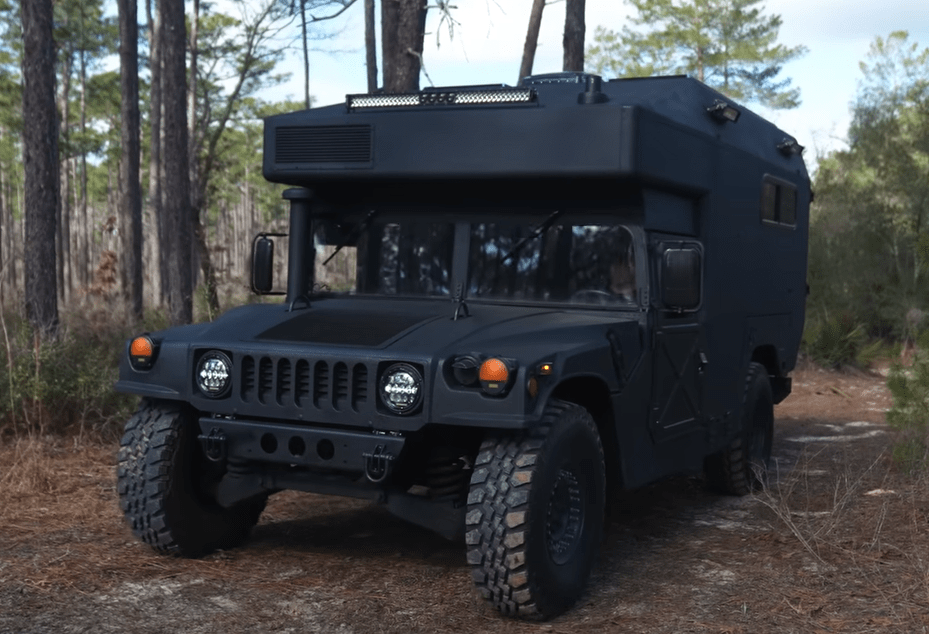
(665, 384)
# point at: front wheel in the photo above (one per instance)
(166, 485)
(535, 514)
(742, 466)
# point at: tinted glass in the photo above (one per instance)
(530, 257)
(788, 205)
(590, 263)
(769, 201)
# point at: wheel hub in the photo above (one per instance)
(565, 517)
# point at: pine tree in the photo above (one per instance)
(130, 188)
(40, 159)
(728, 44)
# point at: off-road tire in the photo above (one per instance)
(535, 513)
(164, 483)
(742, 466)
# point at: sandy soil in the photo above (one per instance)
(838, 543)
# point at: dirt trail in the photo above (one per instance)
(837, 544)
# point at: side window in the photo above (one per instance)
(681, 275)
(602, 260)
(778, 202)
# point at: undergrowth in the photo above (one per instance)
(63, 386)
(909, 386)
(834, 341)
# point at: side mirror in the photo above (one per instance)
(680, 278)
(263, 264)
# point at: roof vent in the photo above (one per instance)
(590, 84)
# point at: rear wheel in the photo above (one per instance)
(742, 466)
(167, 486)
(535, 514)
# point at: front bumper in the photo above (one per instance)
(349, 452)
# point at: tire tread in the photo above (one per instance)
(497, 520)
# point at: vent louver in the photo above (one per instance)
(320, 383)
(359, 385)
(340, 386)
(323, 144)
(248, 379)
(265, 378)
(303, 383)
(283, 381)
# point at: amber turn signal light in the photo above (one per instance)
(142, 352)
(141, 347)
(494, 376)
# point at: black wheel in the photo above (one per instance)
(742, 466)
(535, 514)
(166, 485)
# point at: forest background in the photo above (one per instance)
(165, 253)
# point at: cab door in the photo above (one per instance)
(679, 356)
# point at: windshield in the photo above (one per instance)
(546, 257)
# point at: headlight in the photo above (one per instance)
(214, 374)
(401, 388)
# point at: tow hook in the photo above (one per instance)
(214, 444)
(377, 463)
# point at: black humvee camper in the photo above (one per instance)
(547, 292)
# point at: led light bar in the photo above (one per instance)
(462, 98)
(381, 101)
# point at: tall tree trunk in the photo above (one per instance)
(207, 268)
(389, 20)
(83, 103)
(193, 140)
(130, 188)
(197, 186)
(6, 226)
(532, 38)
(403, 28)
(156, 256)
(574, 35)
(411, 32)
(65, 265)
(40, 161)
(86, 229)
(306, 56)
(177, 169)
(370, 47)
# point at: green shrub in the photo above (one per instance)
(64, 386)
(834, 342)
(909, 415)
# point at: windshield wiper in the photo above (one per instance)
(359, 229)
(542, 228)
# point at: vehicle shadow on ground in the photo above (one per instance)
(356, 529)
(348, 528)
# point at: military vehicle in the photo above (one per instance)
(545, 293)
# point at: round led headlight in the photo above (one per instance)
(401, 388)
(214, 374)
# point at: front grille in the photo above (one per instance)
(322, 385)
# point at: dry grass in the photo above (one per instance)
(837, 543)
(863, 526)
